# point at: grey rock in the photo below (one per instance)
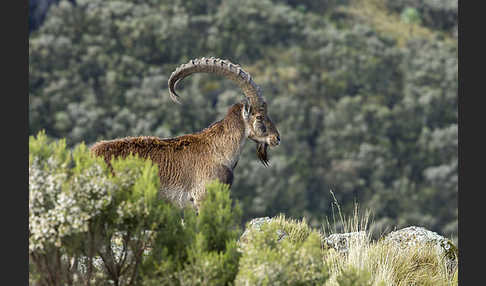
(414, 236)
(256, 224)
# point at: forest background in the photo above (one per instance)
(364, 94)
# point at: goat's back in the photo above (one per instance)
(171, 155)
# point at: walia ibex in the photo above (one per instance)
(187, 163)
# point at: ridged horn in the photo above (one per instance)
(221, 67)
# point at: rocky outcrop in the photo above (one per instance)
(415, 236)
(412, 236)
(256, 224)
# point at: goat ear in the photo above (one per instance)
(246, 109)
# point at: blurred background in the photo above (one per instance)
(363, 92)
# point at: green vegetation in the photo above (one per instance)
(270, 259)
(364, 94)
(89, 227)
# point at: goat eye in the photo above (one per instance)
(259, 117)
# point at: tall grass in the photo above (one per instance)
(343, 223)
(369, 262)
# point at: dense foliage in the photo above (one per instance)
(282, 252)
(88, 227)
(364, 94)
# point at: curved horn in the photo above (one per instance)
(222, 67)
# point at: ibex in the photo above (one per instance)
(187, 163)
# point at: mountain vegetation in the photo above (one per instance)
(89, 225)
(364, 94)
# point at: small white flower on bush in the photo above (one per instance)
(60, 206)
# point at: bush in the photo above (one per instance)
(270, 259)
(87, 226)
(211, 256)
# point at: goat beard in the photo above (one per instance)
(262, 153)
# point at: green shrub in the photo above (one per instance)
(87, 226)
(211, 256)
(270, 259)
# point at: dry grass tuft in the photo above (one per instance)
(380, 263)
